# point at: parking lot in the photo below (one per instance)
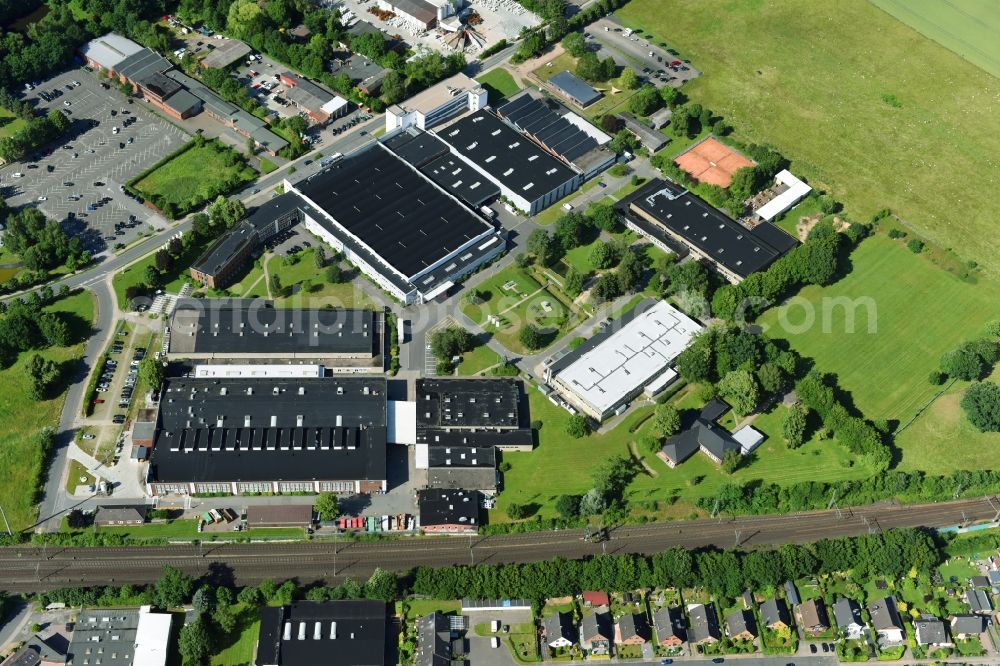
(656, 64)
(92, 162)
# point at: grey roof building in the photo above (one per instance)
(105, 635)
(559, 630)
(704, 624)
(979, 601)
(226, 53)
(651, 140)
(121, 515)
(434, 638)
(968, 625)
(886, 620)
(253, 329)
(791, 593)
(774, 614)
(671, 216)
(670, 626)
(931, 631)
(596, 632)
(741, 624)
(632, 629)
(574, 88)
(449, 511)
(847, 613)
(531, 178)
(700, 432)
(469, 467)
(333, 633)
(277, 434)
(36, 651)
(814, 617)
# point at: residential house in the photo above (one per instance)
(932, 632)
(847, 613)
(774, 614)
(632, 629)
(559, 631)
(593, 599)
(979, 601)
(596, 632)
(886, 621)
(980, 581)
(967, 626)
(741, 625)
(670, 628)
(704, 624)
(814, 617)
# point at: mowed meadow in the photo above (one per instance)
(864, 106)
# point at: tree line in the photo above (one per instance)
(41, 243)
(37, 130)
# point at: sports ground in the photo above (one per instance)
(712, 162)
(970, 28)
(812, 80)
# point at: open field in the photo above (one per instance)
(499, 84)
(195, 176)
(21, 418)
(562, 465)
(827, 67)
(309, 286)
(919, 312)
(944, 428)
(967, 27)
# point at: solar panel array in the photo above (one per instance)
(562, 137)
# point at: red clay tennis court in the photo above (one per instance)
(712, 162)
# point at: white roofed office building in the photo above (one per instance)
(788, 191)
(614, 366)
(444, 100)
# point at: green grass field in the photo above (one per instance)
(320, 292)
(928, 160)
(499, 84)
(516, 306)
(967, 27)
(476, 360)
(267, 166)
(236, 649)
(174, 280)
(195, 176)
(919, 311)
(22, 418)
(9, 123)
(562, 465)
(943, 428)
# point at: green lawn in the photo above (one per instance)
(562, 62)
(827, 67)
(919, 311)
(515, 307)
(188, 529)
(236, 649)
(76, 472)
(267, 166)
(22, 418)
(969, 28)
(476, 360)
(943, 427)
(562, 465)
(135, 274)
(9, 123)
(252, 284)
(194, 176)
(320, 292)
(499, 84)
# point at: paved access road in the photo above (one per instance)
(32, 568)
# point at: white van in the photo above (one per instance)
(17, 174)
(495, 642)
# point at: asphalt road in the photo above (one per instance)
(31, 568)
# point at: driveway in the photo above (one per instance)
(104, 161)
(480, 651)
